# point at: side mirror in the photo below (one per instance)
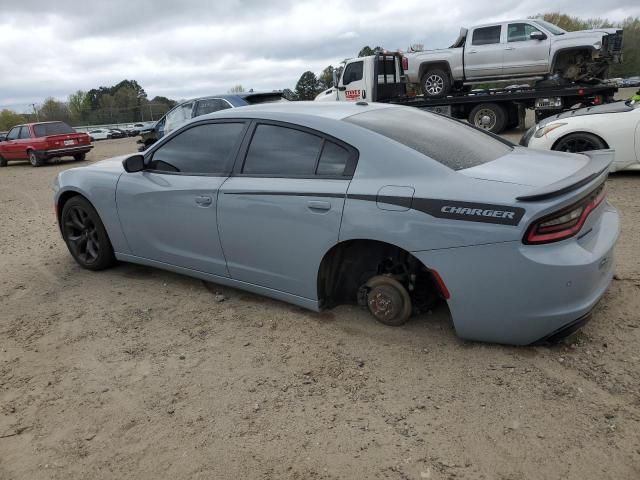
(537, 36)
(342, 88)
(134, 163)
(334, 76)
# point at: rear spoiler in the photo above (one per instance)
(599, 165)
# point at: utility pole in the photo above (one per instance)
(151, 112)
(36, 112)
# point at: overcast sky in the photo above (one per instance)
(182, 49)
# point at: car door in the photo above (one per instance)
(11, 147)
(522, 55)
(352, 86)
(168, 211)
(281, 210)
(483, 57)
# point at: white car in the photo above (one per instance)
(100, 134)
(613, 126)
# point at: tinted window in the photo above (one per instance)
(282, 151)
(25, 133)
(333, 159)
(201, 149)
(519, 32)
(211, 105)
(53, 128)
(264, 98)
(486, 35)
(446, 141)
(13, 133)
(352, 73)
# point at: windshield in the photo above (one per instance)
(449, 142)
(55, 128)
(550, 27)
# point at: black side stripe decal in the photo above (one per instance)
(447, 209)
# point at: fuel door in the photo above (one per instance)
(395, 198)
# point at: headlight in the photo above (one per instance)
(597, 45)
(547, 128)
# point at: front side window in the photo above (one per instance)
(203, 149)
(486, 35)
(519, 32)
(282, 151)
(13, 133)
(211, 105)
(435, 136)
(25, 133)
(352, 73)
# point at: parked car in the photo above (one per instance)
(307, 207)
(201, 106)
(134, 130)
(117, 133)
(512, 49)
(630, 82)
(39, 142)
(100, 134)
(615, 126)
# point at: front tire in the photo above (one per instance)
(3, 161)
(85, 235)
(34, 160)
(388, 300)
(435, 84)
(579, 142)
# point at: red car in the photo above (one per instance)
(39, 142)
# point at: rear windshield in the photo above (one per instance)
(54, 128)
(447, 141)
(265, 98)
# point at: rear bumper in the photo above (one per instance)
(519, 294)
(63, 152)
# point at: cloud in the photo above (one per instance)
(183, 49)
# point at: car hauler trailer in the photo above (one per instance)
(381, 78)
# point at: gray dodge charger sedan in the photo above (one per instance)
(390, 207)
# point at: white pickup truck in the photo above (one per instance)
(503, 51)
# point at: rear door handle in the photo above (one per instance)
(318, 205)
(204, 200)
(472, 51)
(509, 48)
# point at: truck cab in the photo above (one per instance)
(376, 78)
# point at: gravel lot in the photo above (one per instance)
(139, 373)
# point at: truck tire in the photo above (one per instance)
(489, 116)
(435, 83)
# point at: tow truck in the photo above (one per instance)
(381, 78)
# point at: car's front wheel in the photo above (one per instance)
(3, 161)
(579, 142)
(85, 235)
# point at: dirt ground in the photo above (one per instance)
(139, 373)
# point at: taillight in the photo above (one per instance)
(565, 223)
(405, 63)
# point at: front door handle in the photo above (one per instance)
(509, 48)
(318, 205)
(472, 51)
(204, 200)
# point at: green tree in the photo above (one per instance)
(307, 87)
(78, 107)
(9, 119)
(52, 109)
(289, 95)
(366, 51)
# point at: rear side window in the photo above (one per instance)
(352, 73)
(282, 151)
(486, 35)
(203, 149)
(333, 159)
(54, 128)
(211, 105)
(25, 133)
(449, 142)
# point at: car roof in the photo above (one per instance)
(333, 110)
(227, 96)
(36, 123)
